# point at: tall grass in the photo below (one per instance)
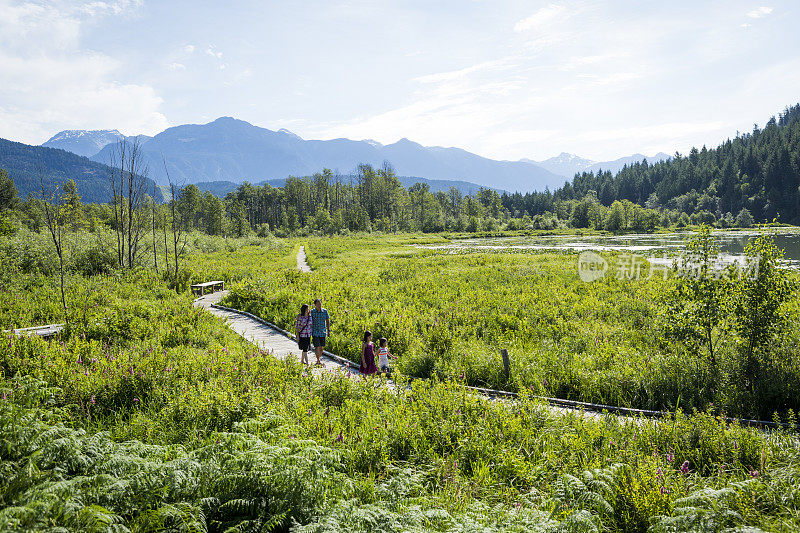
(152, 415)
(450, 315)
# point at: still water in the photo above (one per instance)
(731, 243)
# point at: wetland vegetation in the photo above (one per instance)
(148, 414)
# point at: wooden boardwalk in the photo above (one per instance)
(265, 337)
(302, 264)
(276, 343)
(41, 331)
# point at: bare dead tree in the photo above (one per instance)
(166, 247)
(178, 221)
(155, 251)
(53, 217)
(127, 180)
(116, 180)
(136, 172)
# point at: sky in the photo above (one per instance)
(505, 79)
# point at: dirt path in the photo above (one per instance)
(302, 264)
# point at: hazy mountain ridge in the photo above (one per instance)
(229, 149)
(564, 164)
(618, 164)
(233, 150)
(567, 165)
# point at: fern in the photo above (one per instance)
(712, 510)
(179, 517)
(67, 478)
(587, 502)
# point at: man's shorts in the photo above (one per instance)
(319, 342)
(304, 343)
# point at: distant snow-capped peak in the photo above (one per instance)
(290, 133)
(83, 142)
(77, 134)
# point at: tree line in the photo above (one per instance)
(754, 177)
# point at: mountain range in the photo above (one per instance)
(25, 162)
(235, 151)
(568, 165)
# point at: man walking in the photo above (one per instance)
(320, 326)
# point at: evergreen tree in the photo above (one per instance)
(71, 205)
(8, 192)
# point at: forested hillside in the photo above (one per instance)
(758, 171)
(23, 162)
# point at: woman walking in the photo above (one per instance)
(368, 355)
(302, 330)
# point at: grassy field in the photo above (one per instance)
(449, 315)
(151, 415)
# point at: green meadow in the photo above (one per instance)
(148, 414)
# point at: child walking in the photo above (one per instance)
(383, 355)
(302, 329)
(368, 355)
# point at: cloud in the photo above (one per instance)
(176, 66)
(540, 18)
(189, 48)
(211, 50)
(577, 62)
(761, 12)
(119, 7)
(452, 75)
(611, 79)
(50, 83)
(33, 28)
(464, 107)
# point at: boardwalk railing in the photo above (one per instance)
(36, 331)
(555, 402)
